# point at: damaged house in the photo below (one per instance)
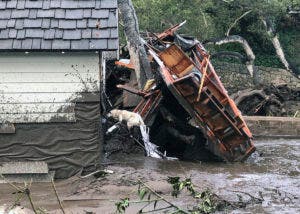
(52, 56)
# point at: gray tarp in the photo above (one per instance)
(66, 147)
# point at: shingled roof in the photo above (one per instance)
(58, 25)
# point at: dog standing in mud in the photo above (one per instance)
(131, 118)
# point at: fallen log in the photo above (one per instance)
(242, 95)
(269, 101)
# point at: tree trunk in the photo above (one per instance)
(136, 48)
(238, 39)
(276, 43)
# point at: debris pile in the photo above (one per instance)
(187, 100)
(274, 100)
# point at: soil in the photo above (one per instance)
(275, 173)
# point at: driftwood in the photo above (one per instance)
(242, 95)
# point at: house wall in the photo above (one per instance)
(38, 88)
(53, 102)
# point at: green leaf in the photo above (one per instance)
(122, 205)
(142, 193)
(203, 194)
(173, 180)
(181, 185)
(197, 195)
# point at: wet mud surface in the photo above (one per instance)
(276, 174)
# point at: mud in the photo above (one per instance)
(276, 174)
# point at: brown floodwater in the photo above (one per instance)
(274, 171)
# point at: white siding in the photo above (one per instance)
(37, 88)
(39, 118)
(49, 87)
(46, 77)
(25, 108)
(41, 97)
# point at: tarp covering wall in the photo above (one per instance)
(66, 147)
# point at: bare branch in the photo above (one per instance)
(236, 21)
(294, 12)
(23, 190)
(228, 1)
(276, 43)
(204, 18)
(178, 209)
(238, 39)
(57, 197)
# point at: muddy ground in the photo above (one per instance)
(276, 174)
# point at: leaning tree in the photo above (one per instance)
(135, 45)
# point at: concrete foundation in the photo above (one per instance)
(288, 127)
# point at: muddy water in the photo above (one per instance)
(275, 173)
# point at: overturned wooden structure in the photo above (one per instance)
(185, 68)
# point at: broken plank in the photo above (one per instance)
(34, 167)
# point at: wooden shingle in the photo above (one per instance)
(53, 24)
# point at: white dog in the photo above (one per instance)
(132, 119)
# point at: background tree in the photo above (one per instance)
(207, 19)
